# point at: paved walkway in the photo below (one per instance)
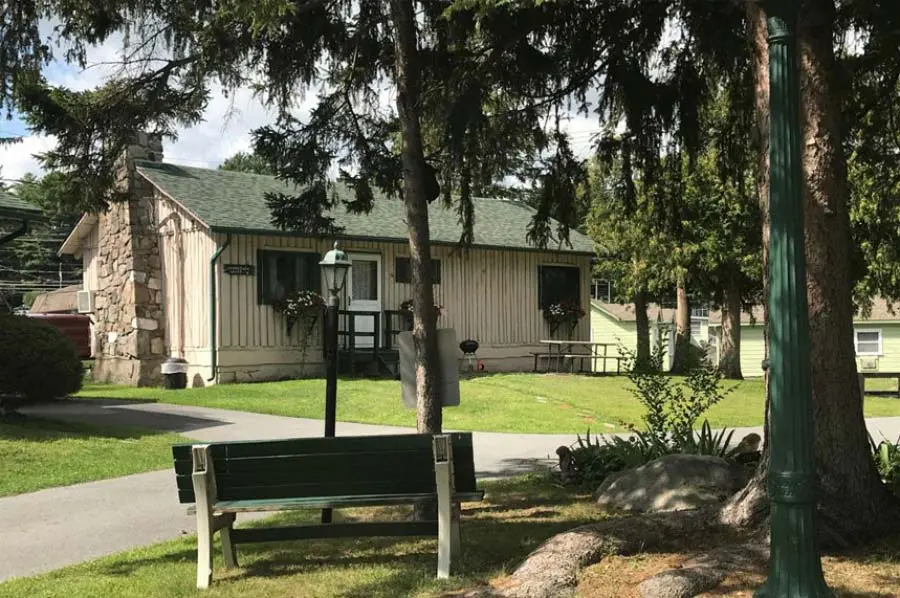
(52, 528)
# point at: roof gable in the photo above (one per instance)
(235, 201)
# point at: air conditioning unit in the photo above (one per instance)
(868, 364)
(85, 302)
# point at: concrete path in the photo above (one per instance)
(52, 528)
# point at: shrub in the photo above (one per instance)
(887, 459)
(673, 409)
(37, 362)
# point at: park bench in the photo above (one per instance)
(227, 478)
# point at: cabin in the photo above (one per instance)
(190, 265)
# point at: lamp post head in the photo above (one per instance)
(335, 265)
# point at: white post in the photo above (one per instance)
(227, 544)
(443, 473)
(203, 478)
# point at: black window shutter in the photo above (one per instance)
(261, 277)
(435, 271)
(312, 270)
(402, 270)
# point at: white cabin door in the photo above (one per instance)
(364, 295)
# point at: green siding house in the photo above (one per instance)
(876, 337)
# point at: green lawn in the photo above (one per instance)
(516, 516)
(40, 453)
(537, 403)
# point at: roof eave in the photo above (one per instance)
(377, 239)
(72, 244)
(600, 307)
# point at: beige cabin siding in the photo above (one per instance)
(488, 295)
(90, 277)
(185, 250)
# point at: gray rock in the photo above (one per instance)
(671, 483)
(681, 583)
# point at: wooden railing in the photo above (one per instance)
(395, 322)
(348, 334)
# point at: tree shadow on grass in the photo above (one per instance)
(119, 413)
(39, 429)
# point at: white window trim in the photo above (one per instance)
(880, 351)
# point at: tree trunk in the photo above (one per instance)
(749, 507)
(682, 331)
(642, 323)
(730, 343)
(408, 80)
(854, 506)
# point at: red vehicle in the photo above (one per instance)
(77, 327)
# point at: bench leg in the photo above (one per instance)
(227, 544)
(204, 548)
(455, 540)
(443, 474)
(203, 480)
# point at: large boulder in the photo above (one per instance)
(671, 483)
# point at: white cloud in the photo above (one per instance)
(225, 130)
(19, 158)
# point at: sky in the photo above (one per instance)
(225, 130)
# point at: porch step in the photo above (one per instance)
(365, 363)
(389, 362)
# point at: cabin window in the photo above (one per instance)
(601, 290)
(557, 284)
(868, 342)
(697, 328)
(283, 272)
(403, 270)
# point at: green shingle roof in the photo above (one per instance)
(235, 201)
(10, 207)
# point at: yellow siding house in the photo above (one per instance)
(876, 337)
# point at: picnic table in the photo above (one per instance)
(864, 375)
(560, 350)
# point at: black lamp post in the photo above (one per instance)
(334, 265)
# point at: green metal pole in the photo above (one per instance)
(795, 568)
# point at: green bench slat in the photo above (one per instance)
(278, 470)
(327, 489)
(303, 446)
(335, 530)
(264, 469)
(321, 502)
(317, 463)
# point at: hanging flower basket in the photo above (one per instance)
(303, 307)
(565, 315)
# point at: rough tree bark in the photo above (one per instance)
(642, 323)
(408, 79)
(854, 505)
(730, 344)
(749, 507)
(682, 330)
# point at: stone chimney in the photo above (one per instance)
(129, 324)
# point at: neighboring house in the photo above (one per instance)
(615, 323)
(189, 267)
(60, 301)
(876, 338)
(15, 216)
